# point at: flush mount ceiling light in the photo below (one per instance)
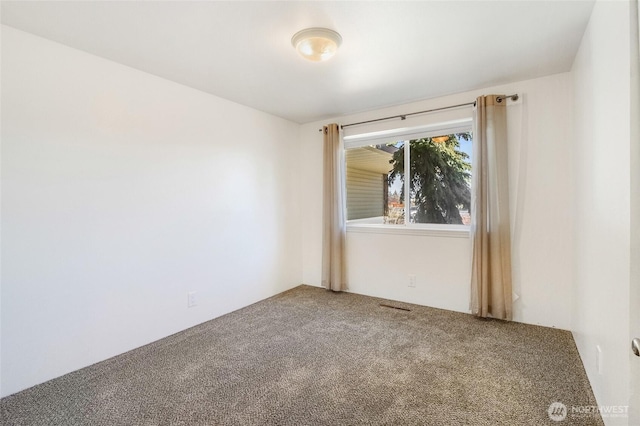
(316, 44)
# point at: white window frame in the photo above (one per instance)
(407, 134)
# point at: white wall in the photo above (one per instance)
(122, 192)
(379, 265)
(634, 292)
(602, 152)
(539, 131)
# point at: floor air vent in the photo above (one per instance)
(384, 305)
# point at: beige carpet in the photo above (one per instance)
(312, 357)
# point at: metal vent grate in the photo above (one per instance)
(384, 305)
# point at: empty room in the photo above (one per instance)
(320, 213)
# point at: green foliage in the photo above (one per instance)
(440, 178)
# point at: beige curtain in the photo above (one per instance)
(490, 227)
(334, 224)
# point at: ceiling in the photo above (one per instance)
(393, 51)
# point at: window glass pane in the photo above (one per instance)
(395, 188)
(440, 189)
(371, 196)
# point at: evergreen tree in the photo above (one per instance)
(440, 178)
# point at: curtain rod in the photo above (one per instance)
(513, 97)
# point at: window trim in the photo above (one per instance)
(408, 133)
(425, 229)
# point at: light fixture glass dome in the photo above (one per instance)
(316, 44)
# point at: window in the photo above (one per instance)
(434, 189)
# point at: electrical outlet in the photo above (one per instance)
(191, 299)
(598, 359)
(412, 280)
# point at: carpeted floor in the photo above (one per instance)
(312, 357)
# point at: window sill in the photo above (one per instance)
(434, 230)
